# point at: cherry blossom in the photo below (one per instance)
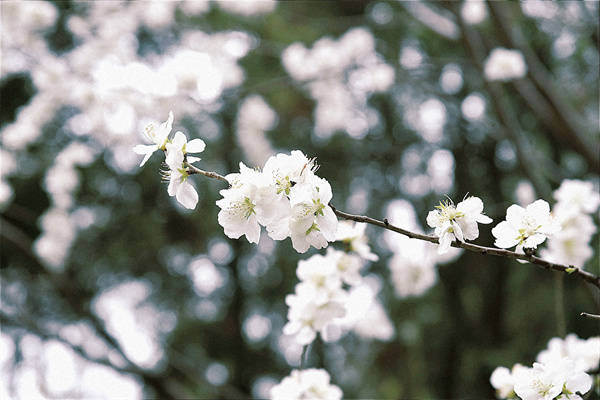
(158, 135)
(306, 384)
(457, 222)
(525, 227)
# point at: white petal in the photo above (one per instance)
(195, 146)
(505, 234)
(433, 219)
(533, 241)
(445, 242)
(470, 206)
(306, 335)
(179, 140)
(192, 160)
(579, 382)
(514, 214)
(484, 219)
(187, 196)
(458, 233)
(173, 184)
(539, 209)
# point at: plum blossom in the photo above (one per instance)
(549, 380)
(353, 234)
(457, 222)
(250, 202)
(306, 384)
(179, 147)
(313, 222)
(306, 317)
(158, 135)
(525, 227)
(504, 65)
(321, 274)
(288, 170)
(579, 195)
(585, 353)
(503, 380)
(348, 266)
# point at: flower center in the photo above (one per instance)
(448, 212)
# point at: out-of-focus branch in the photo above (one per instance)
(561, 119)
(525, 154)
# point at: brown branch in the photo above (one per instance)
(591, 278)
(197, 171)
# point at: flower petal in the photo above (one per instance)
(195, 146)
(187, 195)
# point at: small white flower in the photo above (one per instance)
(306, 384)
(504, 65)
(250, 202)
(413, 268)
(179, 147)
(525, 227)
(159, 136)
(313, 222)
(354, 235)
(503, 380)
(585, 353)
(289, 170)
(322, 274)
(348, 266)
(457, 222)
(578, 195)
(547, 381)
(306, 317)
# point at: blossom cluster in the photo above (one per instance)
(576, 202)
(457, 222)
(333, 297)
(306, 384)
(341, 74)
(286, 197)
(177, 159)
(559, 373)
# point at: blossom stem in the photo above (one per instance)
(197, 171)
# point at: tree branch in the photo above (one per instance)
(568, 269)
(591, 278)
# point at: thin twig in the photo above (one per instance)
(593, 279)
(593, 316)
(192, 170)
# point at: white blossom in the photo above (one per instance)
(503, 380)
(457, 222)
(306, 318)
(473, 12)
(353, 233)
(525, 227)
(547, 381)
(306, 384)
(313, 222)
(348, 265)
(578, 195)
(179, 147)
(321, 273)
(584, 352)
(413, 269)
(158, 135)
(504, 65)
(288, 170)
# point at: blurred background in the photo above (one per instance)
(111, 289)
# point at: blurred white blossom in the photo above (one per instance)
(504, 65)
